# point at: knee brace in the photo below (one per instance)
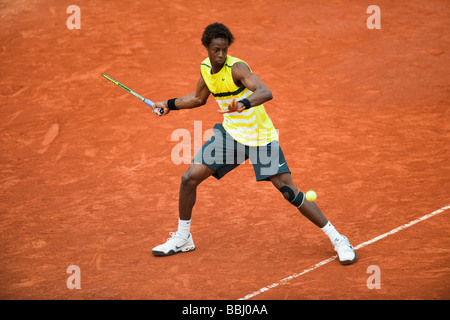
(296, 200)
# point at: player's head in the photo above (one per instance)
(216, 39)
(214, 31)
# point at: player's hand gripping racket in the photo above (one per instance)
(158, 111)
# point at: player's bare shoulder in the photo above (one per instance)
(240, 70)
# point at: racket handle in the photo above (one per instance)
(158, 111)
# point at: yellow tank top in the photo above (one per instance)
(251, 127)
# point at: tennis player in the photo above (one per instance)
(246, 132)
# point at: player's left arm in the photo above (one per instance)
(242, 76)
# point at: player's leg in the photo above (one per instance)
(190, 180)
(310, 210)
(283, 182)
(208, 161)
(270, 164)
(181, 240)
(218, 156)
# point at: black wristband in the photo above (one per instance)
(171, 104)
(246, 103)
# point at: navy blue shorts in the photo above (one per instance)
(223, 154)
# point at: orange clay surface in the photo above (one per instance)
(87, 178)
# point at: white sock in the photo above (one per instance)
(331, 232)
(184, 228)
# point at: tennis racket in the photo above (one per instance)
(158, 111)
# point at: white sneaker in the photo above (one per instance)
(174, 245)
(345, 251)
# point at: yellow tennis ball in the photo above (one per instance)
(311, 196)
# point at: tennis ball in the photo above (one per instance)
(311, 196)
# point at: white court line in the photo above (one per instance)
(321, 263)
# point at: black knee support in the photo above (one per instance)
(292, 198)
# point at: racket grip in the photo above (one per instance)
(158, 111)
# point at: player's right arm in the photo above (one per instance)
(193, 100)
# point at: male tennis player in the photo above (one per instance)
(246, 132)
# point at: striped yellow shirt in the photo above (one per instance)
(251, 127)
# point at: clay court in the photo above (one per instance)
(87, 178)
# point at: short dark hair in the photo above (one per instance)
(216, 30)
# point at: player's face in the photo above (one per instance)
(217, 52)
